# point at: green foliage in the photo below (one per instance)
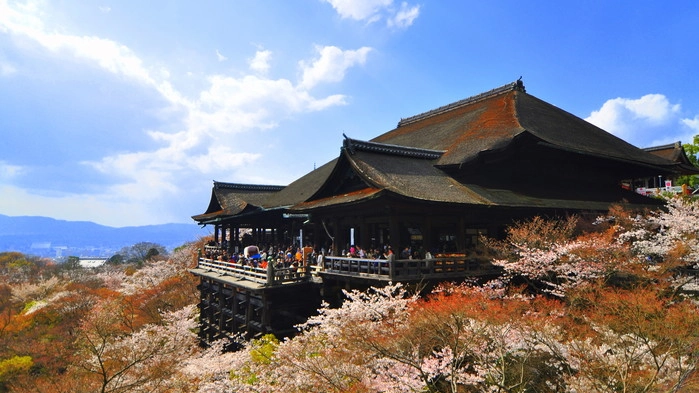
(142, 252)
(11, 258)
(263, 348)
(30, 304)
(72, 263)
(692, 151)
(16, 261)
(116, 259)
(261, 353)
(14, 365)
(152, 252)
(19, 267)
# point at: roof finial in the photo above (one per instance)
(519, 85)
(347, 144)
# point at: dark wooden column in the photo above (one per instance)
(394, 232)
(221, 310)
(236, 239)
(248, 312)
(340, 236)
(317, 236)
(365, 235)
(427, 234)
(234, 309)
(461, 237)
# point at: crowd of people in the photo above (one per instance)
(293, 256)
(356, 251)
(279, 256)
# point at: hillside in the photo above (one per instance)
(49, 237)
(574, 312)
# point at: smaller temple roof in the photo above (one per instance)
(302, 188)
(229, 199)
(387, 169)
(407, 172)
(674, 152)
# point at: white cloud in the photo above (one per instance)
(646, 121)
(7, 69)
(260, 63)
(208, 145)
(106, 9)
(8, 171)
(405, 16)
(693, 124)
(373, 10)
(359, 9)
(109, 55)
(616, 114)
(207, 142)
(220, 57)
(102, 208)
(331, 65)
(22, 18)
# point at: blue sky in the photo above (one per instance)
(124, 112)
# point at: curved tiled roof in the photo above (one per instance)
(424, 155)
(568, 132)
(514, 86)
(353, 145)
(302, 188)
(674, 152)
(229, 199)
(411, 177)
(344, 199)
(421, 180)
(491, 121)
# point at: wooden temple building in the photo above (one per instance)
(433, 185)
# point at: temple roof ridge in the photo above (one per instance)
(517, 85)
(353, 145)
(246, 187)
(674, 145)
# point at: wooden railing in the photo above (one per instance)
(408, 269)
(269, 276)
(381, 269)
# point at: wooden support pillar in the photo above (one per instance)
(340, 237)
(208, 312)
(427, 235)
(234, 309)
(394, 233)
(364, 236)
(248, 312)
(317, 239)
(461, 238)
(221, 309)
(229, 239)
(270, 274)
(266, 317)
(202, 329)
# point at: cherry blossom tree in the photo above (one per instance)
(662, 232)
(634, 340)
(549, 259)
(112, 358)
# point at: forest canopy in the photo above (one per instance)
(603, 306)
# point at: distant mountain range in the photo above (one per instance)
(49, 237)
